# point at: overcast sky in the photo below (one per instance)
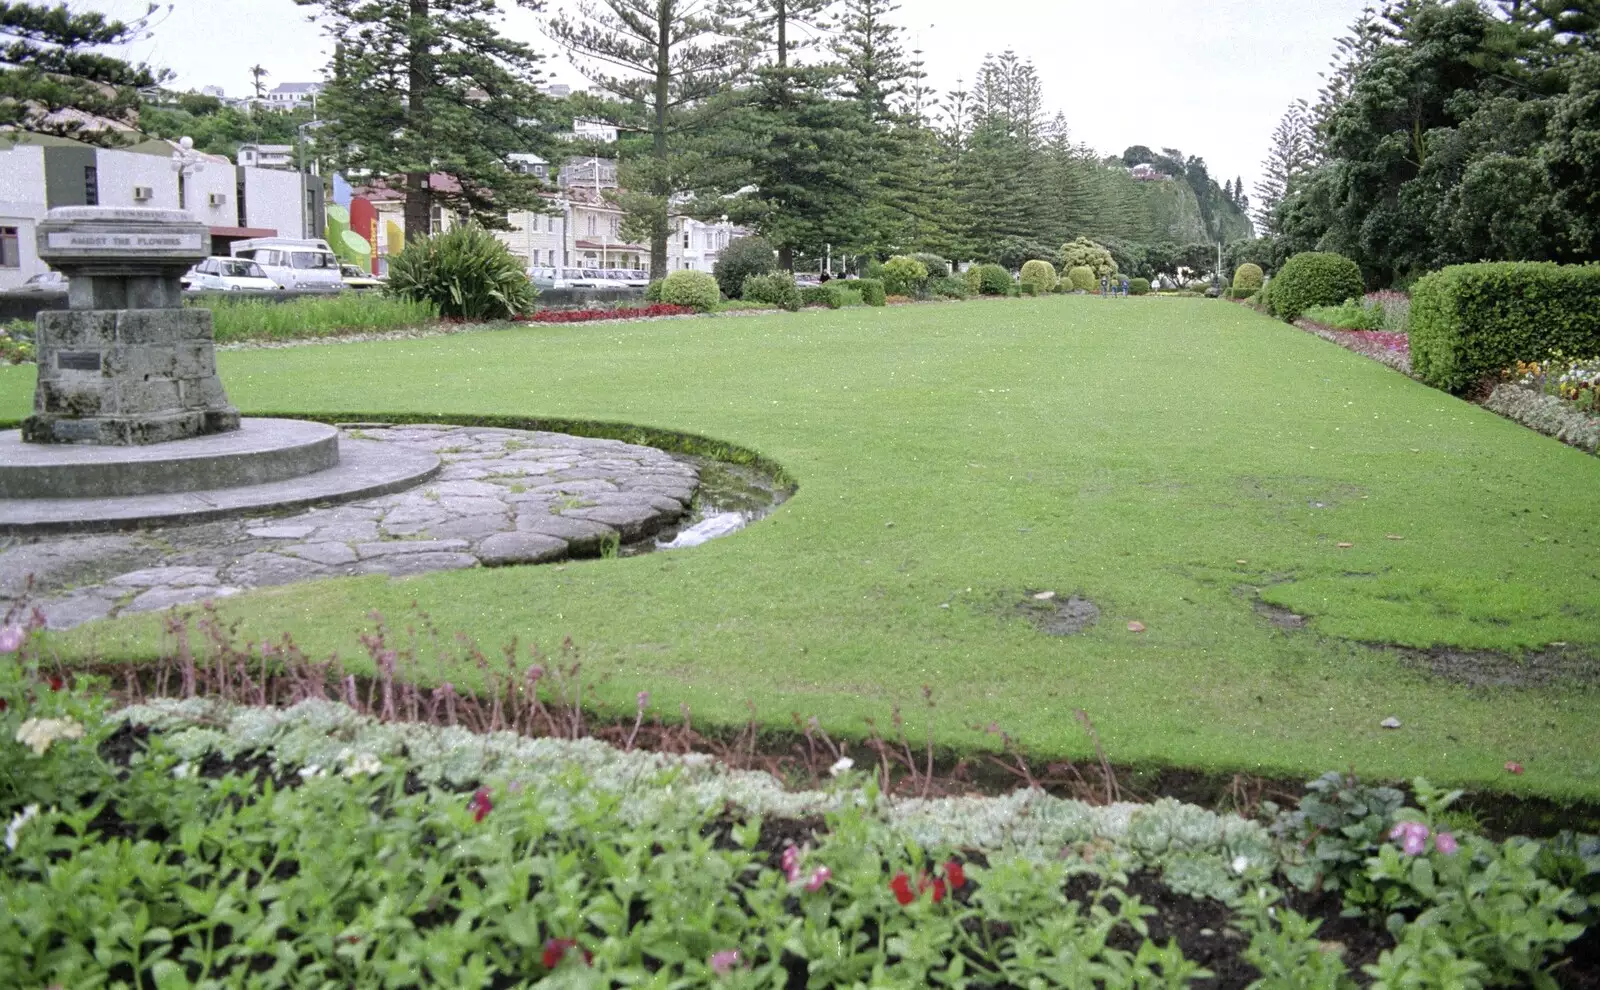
(1210, 77)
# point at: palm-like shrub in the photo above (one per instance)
(742, 258)
(1039, 274)
(466, 272)
(777, 289)
(1248, 277)
(903, 276)
(690, 288)
(1314, 278)
(1082, 278)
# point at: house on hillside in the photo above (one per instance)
(287, 96)
(267, 156)
(1145, 172)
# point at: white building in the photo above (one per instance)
(267, 155)
(592, 130)
(293, 94)
(38, 173)
(697, 244)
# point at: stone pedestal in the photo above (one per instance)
(126, 364)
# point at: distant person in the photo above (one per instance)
(824, 277)
(1105, 284)
(1124, 286)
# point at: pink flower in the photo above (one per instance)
(821, 876)
(480, 805)
(723, 962)
(1445, 843)
(956, 874)
(555, 950)
(791, 863)
(1413, 837)
(1514, 767)
(11, 638)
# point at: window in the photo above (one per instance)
(616, 228)
(10, 248)
(91, 185)
(311, 260)
(550, 224)
(593, 225)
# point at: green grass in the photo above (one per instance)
(1128, 450)
(313, 316)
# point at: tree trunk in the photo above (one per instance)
(786, 257)
(419, 194)
(783, 34)
(661, 182)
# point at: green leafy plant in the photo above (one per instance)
(1089, 254)
(742, 258)
(937, 267)
(1138, 286)
(466, 272)
(1314, 278)
(778, 289)
(1472, 321)
(828, 295)
(1249, 277)
(948, 288)
(1039, 274)
(16, 342)
(235, 319)
(903, 276)
(1082, 278)
(652, 292)
(991, 280)
(691, 288)
(872, 291)
(1337, 825)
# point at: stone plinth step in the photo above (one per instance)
(260, 451)
(365, 469)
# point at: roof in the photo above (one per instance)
(305, 87)
(608, 246)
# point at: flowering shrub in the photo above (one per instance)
(16, 342)
(1576, 380)
(624, 313)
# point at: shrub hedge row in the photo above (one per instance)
(1470, 321)
(1314, 278)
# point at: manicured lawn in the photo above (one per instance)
(966, 454)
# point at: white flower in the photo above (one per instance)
(39, 733)
(363, 763)
(18, 820)
(1240, 864)
(842, 766)
(182, 770)
(313, 770)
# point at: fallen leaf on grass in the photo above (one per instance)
(1136, 627)
(1241, 562)
(1514, 767)
(1346, 546)
(1044, 596)
(1391, 536)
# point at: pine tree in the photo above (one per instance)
(430, 87)
(1291, 156)
(670, 58)
(779, 24)
(47, 67)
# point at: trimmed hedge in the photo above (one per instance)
(777, 289)
(1082, 278)
(949, 288)
(1248, 277)
(1470, 321)
(992, 280)
(872, 291)
(1039, 274)
(1314, 278)
(691, 288)
(1138, 287)
(828, 295)
(652, 292)
(903, 276)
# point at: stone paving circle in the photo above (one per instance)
(503, 497)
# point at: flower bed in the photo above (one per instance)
(590, 315)
(1392, 349)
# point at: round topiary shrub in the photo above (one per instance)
(1314, 278)
(742, 258)
(1082, 278)
(652, 292)
(1249, 277)
(871, 290)
(903, 276)
(993, 280)
(690, 288)
(466, 271)
(1138, 286)
(1039, 274)
(777, 289)
(937, 267)
(1089, 254)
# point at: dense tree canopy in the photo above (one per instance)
(51, 79)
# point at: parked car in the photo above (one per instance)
(358, 280)
(552, 278)
(228, 275)
(301, 265)
(807, 279)
(51, 281)
(631, 277)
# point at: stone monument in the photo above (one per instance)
(131, 425)
(126, 363)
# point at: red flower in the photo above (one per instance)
(480, 805)
(556, 949)
(955, 874)
(56, 683)
(3, 705)
(1514, 767)
(901, 885)
(938, 888)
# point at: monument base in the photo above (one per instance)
(126, 378)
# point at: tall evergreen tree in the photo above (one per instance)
(421, 88)
(46, 67)
(668, 58)
(1291, 156)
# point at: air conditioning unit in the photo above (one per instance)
(142, 193)
(218, 199)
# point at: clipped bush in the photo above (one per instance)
(652, 292)
(1138, 286)
(777, 289)
(903, 276)
(1088, 254)
(466, 272)
(1471, 321)
(949, 288)
(1041, 275)
(1234, 292)
(742, 258)
(1027, 289)
(828, 295)
(1082, 278)
(1249, 277)
(1314, 278)
(992, 280)
(937, 267)
(872, 292)
(689, 288)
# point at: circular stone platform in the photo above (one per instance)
(502, 497)
(260, 451)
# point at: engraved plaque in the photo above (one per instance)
(78, 360)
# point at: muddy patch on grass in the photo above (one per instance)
(1280, 617)
(1495, 668)
(1058, 615)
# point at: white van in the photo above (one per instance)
(296, 265)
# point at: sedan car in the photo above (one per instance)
(228, 275)
(631, 277)
(360, 281)
(51, 281)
